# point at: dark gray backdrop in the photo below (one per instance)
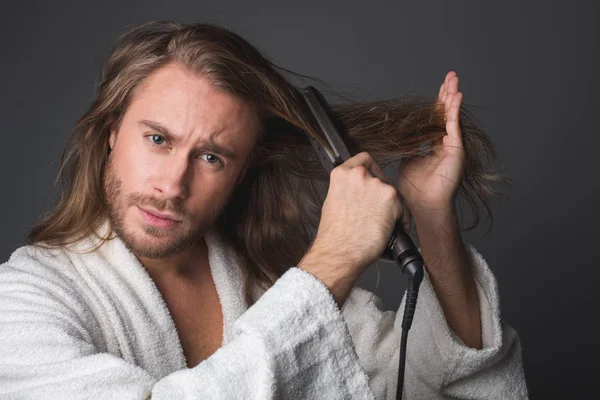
(528, 70)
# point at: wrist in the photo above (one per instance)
(439, 235)
(334, 275)
(435, 218)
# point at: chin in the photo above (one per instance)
(149, 241)
(144, 244)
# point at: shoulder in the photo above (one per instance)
(63, 264)
(36, 261)
(38, 275)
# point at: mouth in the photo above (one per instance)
(158, 220)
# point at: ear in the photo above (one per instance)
(112, 138)
(242, 175)
(248, 162)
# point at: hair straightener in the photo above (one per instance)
(400, 248)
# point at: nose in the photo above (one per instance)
(172, 179)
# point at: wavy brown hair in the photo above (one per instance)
(273, 213)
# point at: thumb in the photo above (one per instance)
(406, 215)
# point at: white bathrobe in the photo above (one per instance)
(94, 326)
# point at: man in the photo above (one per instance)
(156, 275)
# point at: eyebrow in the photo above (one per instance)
(207, 145)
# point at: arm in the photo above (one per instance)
(438, 365)
(292, 343)
(450, 273)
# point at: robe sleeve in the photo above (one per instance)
(438, 364)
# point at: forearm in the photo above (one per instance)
(450, 274)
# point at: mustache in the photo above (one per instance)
(173, 206)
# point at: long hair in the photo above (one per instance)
(273, 212)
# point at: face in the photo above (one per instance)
(179, 153)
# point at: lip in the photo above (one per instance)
(160, 215)
(157, 220)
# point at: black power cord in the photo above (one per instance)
(414, 269)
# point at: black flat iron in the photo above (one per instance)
(400, 248)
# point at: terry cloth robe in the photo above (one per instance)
(95, 326)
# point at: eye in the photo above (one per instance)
(215, 159)
(157, 139)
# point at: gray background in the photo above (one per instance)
(526, 69)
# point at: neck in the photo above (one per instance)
(187, 265)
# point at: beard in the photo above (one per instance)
(153, 243)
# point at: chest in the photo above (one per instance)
(198, 317)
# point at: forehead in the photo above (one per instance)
(192, 108)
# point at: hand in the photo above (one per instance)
(358, 217)
(429, 184)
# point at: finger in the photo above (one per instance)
(444, 87)
(453, 123)
(376, 171)
(451, 91)
(364, 159)
(406, 219)
(442, 92)
(406, 215)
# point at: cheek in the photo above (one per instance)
(212, 192)
(136, 170)
(226, 189)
